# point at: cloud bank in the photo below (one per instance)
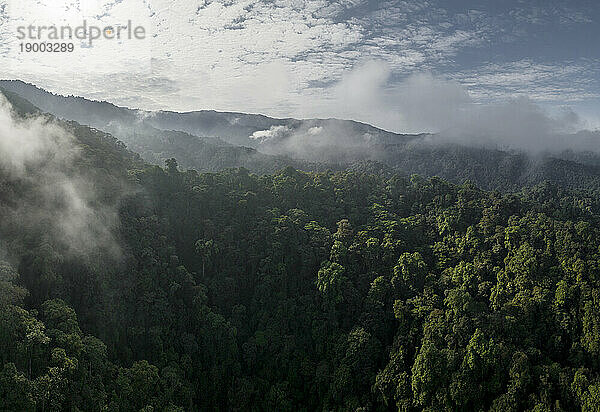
(428, 103)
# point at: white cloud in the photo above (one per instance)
(273, 133)
(419, 103)
(232, 55)
(424, 102)
(545, 82)
(281, 57)
(314, 131)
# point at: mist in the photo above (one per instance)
(425, 103)
(47, 191)
(421, 111)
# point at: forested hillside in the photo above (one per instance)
(209, 141)
(127, 286)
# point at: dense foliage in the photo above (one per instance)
(300, 291)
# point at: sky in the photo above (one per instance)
(371, 61)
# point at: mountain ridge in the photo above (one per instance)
(209, 141)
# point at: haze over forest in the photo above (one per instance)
(301, 205)
(337, 281)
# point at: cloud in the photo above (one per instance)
(281, 57)
(567, 81)
(428, 103)
(363, 85)
(518, 124)
(52, 196)
(552, 12)
(243, 55)
(314, 131)
(369, 93)
(273, 133)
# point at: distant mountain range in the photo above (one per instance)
(210, 141)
